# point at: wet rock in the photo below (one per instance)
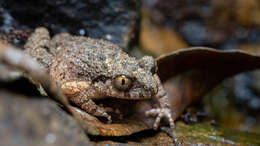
(36, 121)
(110, 20)
(193, 134)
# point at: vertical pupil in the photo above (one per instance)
(123, 82)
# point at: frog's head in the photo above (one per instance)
(131, 79)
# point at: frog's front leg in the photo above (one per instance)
(164, 110)
(78, 93)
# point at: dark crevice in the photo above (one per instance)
(136, 137)
(21, 86)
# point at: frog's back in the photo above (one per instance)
(81, 58)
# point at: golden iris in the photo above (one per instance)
(122, 82)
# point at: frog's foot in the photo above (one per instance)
(161, 113)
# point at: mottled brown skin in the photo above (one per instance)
(86, 70)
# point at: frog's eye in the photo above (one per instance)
(122, 82)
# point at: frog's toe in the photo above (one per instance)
(109, 119)
(160, 112)
(104, 114)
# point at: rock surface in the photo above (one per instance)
(37, 121)
(115, 21)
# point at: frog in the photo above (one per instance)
(88, 69)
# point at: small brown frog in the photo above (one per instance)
(89, 69)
